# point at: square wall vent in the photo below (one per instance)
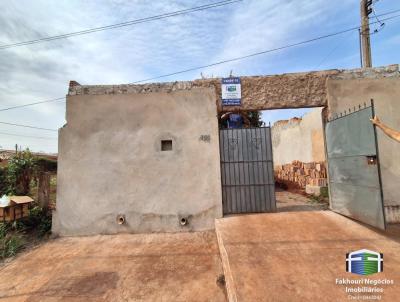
(166, 145)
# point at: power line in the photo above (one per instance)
(261, 52)
(28, 126)
(387, 13)
(338, 44)
(30, 104)
(376, 31)
(122, 24)
(330, 53)
(38, 137)
(382, 24)
(238, 58)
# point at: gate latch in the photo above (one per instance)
(371, 159)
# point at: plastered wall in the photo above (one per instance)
(111, 163)
(299, 139)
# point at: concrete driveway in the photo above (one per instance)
(152, 267)
(295, 256)
(298, 256)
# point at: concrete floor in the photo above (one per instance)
(292, 202)
(297, 256)
(152, 267)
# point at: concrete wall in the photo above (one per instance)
(110, 162)
(299, 139)
(347, 92)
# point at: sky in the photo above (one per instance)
(42, 71)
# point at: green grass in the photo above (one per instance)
(325, 192)
(24, 232)
(322, 198)
(11, 241)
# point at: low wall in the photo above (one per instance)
(111, 163)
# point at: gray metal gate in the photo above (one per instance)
(353, 164)
(247, 170)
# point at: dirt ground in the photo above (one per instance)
(287, 201)
(298, 256)
(151, 267)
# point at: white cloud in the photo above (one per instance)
(254, 27)
(42, 71)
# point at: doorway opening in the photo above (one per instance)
(287, 162)
(300, 168)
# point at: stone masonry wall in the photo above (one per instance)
(295, 90)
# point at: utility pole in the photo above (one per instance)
(366, 10)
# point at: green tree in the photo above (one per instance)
(20, 170)
(250, 118)
(255, 118)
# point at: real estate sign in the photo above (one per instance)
(231, 92)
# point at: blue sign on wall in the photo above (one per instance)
(231, 91)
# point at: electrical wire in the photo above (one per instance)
(387, 13)
(331, 52)
(28, 126)
(29, 136)
(235, 59)
(261, 52)
(381, 24)
(40, 102)
(122, 24)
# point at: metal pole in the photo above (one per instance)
(378, 161)
(359, 42)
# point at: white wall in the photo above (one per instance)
(299, 140)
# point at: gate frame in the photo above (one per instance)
(221, 170)
(325, 119)
(378, 160)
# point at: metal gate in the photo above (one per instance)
(247, 170)
(354, 174)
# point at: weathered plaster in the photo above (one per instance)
(299, 139)
(110, 160)
(111, 163)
